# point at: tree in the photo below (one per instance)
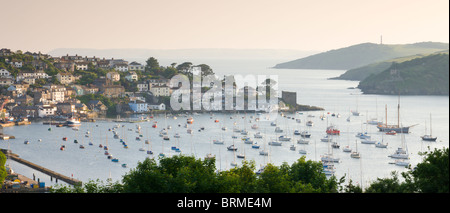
(432, 175)
(151, 64)
(2, 168)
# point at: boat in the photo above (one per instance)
(190, 120)
(284, 138)
(258, 135)
(397, 128)
(363, 135)
(309, 123)
(255, 146)
(347, 149)
(154, 125)
(401, 162)
(26, 142)
(124, 165)
(210, 156)
(305, 134)
(81, 147)
(430, 136)
(381, 145)
(247, 140)
(232, 148)
(400, 153)
(328, 168)
(264, 152)
(254, 126)
(64, 138)
(292, 147)
(115, 160)
(329, 158)
(332, 130)
(355, 154)
(302, 151)
(325, 139)
(392, 132)
(278, 130)
(73, 122)
(335, 145)
(218, 142)
(296, 132)
(275, 143)
(62, 148)
(367, 141)
(273, 124)
(302, 141)
(165, 137)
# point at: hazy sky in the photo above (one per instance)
(261, 24)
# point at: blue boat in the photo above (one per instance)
(115, 160)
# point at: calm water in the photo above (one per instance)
(312, 88)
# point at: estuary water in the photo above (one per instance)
(312, 87)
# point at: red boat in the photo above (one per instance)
(65, 138)
(331, 130)
(392, 132)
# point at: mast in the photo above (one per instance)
(398, 111)
(385, 111)
(431, 129)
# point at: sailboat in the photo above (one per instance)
(356, 112)
(430, 136)
(399, 129)
(402, 151)
(355, 154)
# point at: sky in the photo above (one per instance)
(319, 25)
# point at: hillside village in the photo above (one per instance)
(36, 85)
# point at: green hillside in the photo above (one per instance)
(360, 73)
(361, 54)
(428, 75)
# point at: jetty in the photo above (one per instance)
(42, 169)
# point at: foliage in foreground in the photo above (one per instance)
(186, 174)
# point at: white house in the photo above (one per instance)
(6, 81)
(47, 110)
(82, 65)
(121, 67)
(160, 90)
(132, 76)
(142, 86)
(135, 66)
(16, 63)
(157, 107)
(113, 76)
(4, 73)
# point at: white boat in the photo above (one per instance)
(402, 162)
(400, 153)
(381, 145)
(355, 154)
(275, 143)
(305, 134)
(292, 147)
(296, 132)
(302, 141)
(278, 130)
(298, 120)
(309, 123)
(73, 122)
(347, 149)
(264, 152)
(430, 136)
(363, 135)
(258, 135)
(325, 139)
(284, 138)
(302, 151)
(218, 142)
(273, 124)
(366, 141)
(177, 135)
(329, 158)
(244, 132)
(254, 126)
